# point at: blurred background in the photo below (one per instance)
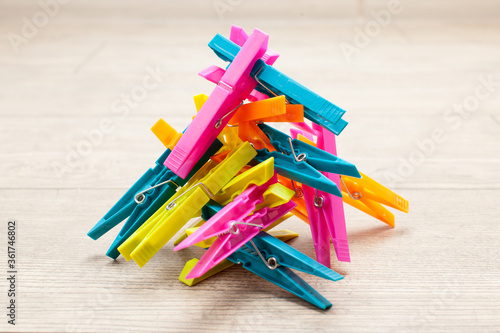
(82, 82)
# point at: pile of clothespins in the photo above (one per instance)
(242, 177)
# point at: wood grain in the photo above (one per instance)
(438, 270)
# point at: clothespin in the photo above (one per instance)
(228, 95)
(364, 193)
(145, 197)
(257, 175)
(282, 235)
(235, 236)
(185, 204)
(273, 260)
(272, 109)
(318, 158)
(166, 133)
(239, 37)
(249, 131)
(368, 196)
(234, 226)
(297, 170)
(326, 212)
(271, 82)
(212, 208)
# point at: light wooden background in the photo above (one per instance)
(438, 270)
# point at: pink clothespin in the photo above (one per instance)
(238, 36)
(326, 211)
(234, 226)
(231, 90)
(236, 234)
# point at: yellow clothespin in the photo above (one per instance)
(283, 235)
(257, 175)
(185, 204)
(166, 133)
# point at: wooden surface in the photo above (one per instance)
(438, 270)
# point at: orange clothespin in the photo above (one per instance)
(273, 109)
(300, 210)
(368, 196)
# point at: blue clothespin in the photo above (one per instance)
(130, 200)
(274, 83)
(272, 259)
(316, 157)
(299, 171)
(144, 198)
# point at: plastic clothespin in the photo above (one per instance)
(299, 171)
(239, 37)
(148, 193)
(318, 158)
(212, 208)
(282, 235)
(326, 212)
(368, 196)
(233, 88)
(129, 201)
(252, 190)
(249, 131)
(166, 133)
(233, 232)
(273, 260)
(257, 175)
(142, 200)
(271, 82)
(184, 205)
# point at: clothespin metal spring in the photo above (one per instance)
(140, 197)
(173, 202)
(353, 196)
(219, 121)
(271, 263)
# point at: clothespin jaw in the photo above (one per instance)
(266, 266)
(126, 205)
(228, 95)
(301, 172)
(285, 255)
(283, 235)
(184, 205)
(368, 196)
(316, 157)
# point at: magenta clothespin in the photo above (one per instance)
(236, 210)
(239, 37)
(319, 222)
(232, 89)
(237, 234)
(335, 206)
